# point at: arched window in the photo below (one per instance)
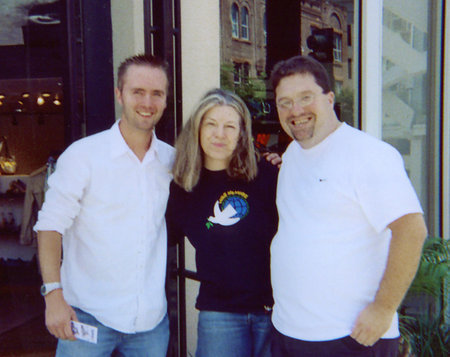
(244, 24)
(234, 21)
(335, 22)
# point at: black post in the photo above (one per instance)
(283, 31)
(98, 65)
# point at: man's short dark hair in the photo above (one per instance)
(141, 60)
(301, 65)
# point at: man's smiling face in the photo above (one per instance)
(305, 112)
(143, 97)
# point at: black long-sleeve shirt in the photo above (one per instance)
(231, 223)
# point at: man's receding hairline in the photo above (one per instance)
(144, 65)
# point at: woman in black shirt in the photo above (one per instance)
(223, 200)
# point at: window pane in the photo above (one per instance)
(244, 25)
(405, 86)
(337, 48)
(234, 21)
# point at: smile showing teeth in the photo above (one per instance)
(300, 121)
(304, 119)
(145, 114)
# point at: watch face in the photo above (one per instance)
(43, 290)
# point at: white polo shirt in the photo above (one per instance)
(110, 209)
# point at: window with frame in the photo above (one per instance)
(244, 24)
(337, 47)
(245, 72)
(234, 21)
(237, 73)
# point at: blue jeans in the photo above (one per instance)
(151, 343)
(224, 334)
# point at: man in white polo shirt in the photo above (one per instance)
(106, 203)
(350, 231)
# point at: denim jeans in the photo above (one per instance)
(151, 343)
(224, 334)
(284, 346)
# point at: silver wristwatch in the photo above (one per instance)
(49, 287)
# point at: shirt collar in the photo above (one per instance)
(118, 144)
(120, 147)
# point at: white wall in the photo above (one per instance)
(371, 99)
(200, 55)
(128, 32)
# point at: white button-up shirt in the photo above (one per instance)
(109, 208)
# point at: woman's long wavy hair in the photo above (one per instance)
(189, 154)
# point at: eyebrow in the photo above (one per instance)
(153, 91)
(215, 120)
(307, 92)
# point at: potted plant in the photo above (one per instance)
(424, 320)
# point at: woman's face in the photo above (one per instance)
(219, 135)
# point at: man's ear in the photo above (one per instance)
(331, 97)
(118, 94)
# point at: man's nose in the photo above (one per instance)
(147, 100)
(297, 108)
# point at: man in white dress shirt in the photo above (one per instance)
(105, 205)
(350, 228)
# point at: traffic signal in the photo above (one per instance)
(321, 43)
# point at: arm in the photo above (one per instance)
(57, 312)
(408, 235)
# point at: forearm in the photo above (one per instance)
(49, 252)
(58, 313)
(408, 235)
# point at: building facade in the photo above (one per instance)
(243, 38)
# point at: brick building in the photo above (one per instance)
(243, 37)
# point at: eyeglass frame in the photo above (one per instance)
(288, 104)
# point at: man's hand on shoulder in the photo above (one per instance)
(58, 315)
(273, 158)
(371, 324)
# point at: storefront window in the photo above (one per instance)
(56, 86)
(405, 86)
(33, 128)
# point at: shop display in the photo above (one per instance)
(8, 163)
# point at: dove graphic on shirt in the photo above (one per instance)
(230, 208)
(225, 217)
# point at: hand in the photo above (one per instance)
(58, 315)
(273, 158)
(371, 324)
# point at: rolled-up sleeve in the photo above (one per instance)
(66, 187)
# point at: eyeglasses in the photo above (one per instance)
(288, 104)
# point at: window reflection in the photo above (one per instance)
(405, 78)
(250, 38)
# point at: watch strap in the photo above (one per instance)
(49, 287)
